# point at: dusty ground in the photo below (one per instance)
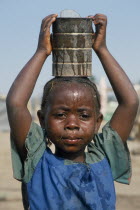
(128, 197)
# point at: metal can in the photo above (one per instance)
(72, 47)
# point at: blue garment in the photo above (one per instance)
(57, 186)
(54, 183)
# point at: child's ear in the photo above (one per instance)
(98, 122)
(41, 118)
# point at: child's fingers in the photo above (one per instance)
(99, 22)
(100, 19)
(44, 21)
(100, 16)
(48, 25)
(47, 18)
(47, 21)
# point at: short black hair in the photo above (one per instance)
(59, 80)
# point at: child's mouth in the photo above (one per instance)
(71, 140)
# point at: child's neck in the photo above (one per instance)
(76, 157)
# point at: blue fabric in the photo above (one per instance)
(54, 183)
(57, 186)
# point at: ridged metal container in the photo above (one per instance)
(72, 47)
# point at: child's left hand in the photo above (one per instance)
(99, 36)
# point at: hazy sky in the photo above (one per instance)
(20, 24)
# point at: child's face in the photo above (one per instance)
(70, 119)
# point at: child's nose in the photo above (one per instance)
(72, 123)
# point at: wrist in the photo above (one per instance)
(41, 53)
(102, 50)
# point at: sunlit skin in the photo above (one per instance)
(71, 120)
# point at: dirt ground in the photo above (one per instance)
(128, 197)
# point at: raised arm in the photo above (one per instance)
(123, 118)
(22, 88)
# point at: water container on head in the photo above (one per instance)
(72, 45)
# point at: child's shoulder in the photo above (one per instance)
(35, 145)
(108, 145)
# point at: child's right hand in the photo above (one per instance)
(44, 43)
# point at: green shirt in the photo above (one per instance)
(106, 144)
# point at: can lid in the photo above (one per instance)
(69, 13)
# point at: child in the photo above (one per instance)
(70, 118)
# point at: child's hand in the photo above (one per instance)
(44, 43)
(99, 37)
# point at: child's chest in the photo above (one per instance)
(73, 186)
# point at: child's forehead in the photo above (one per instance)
(71, 86)
(65, 87)
(71, 89)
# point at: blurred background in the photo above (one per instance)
(20, 25)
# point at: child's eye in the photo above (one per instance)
(60, 115)
(85, 116)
